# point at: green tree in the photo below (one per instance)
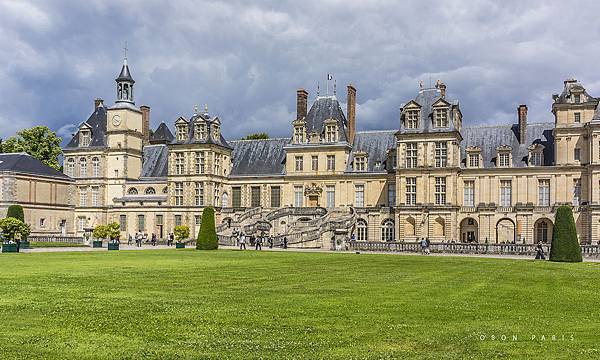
(12, 227)
(207, 236)
(100, 232)
(39, 142)
(16, 211)
(181, 232)
(113, 230)
(565, 246)
(257, 136)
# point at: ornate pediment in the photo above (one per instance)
(313, 189)
(504, 148)
(473, 149)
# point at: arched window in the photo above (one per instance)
(132, 191)
(542, 230)
(150, 191)
(361, 230)
(410, 227)
(225, 200)
(95, 166)
(70, 167)
(82, 167)
(387, 230)
(165, 190)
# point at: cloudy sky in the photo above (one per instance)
(246, 59)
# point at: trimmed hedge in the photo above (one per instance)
(16, 211)
(565, 247)
(207, 236)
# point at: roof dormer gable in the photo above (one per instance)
(181, 120)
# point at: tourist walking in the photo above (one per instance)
(153, 239)
(129, 239)
(539, 252)
(427, 243)
(270, 241)
(170, 240)
(258, 243)
(423, 245)
(285, 242)
(242, 242)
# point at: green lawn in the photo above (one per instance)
(36, 244)
(230, 304)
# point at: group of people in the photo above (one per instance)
(141, 238)
(257, 241)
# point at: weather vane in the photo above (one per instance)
(125, 49)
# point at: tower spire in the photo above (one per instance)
(125, 82)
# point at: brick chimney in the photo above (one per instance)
(145, 124)
(442, 88)
(522, 111)
(98, 102)
(351, 113)
(301, 104)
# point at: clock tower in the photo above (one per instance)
(124, 135)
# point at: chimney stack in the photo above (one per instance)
(351, 113)
(98, 102)
(145, 124)
(522, 111)
(301, 104)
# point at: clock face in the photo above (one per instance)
(116, 120)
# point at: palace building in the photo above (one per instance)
(431, 177)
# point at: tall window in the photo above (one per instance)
(255, 196)
(411, 191)
(177, 220)
(298, 134)
(544, 192)
(359, 195)
(577, 154)
(469, 193)
(361, 230)
(577, 117)
(391, 194)
(576, 192)
(412, 119)
(95, 191)
(216, 131)
(199, 162)
(387, 230)
(82, 167)
(330, 162)
(275, 196)
(181, 132)
(199, 194)
(330, 195)
(314, 163)
(542, 232)
(331, 133)
(299, 163)
(474, 160)
(298, 196)
(535, 158)
(236, 196)
(441, 118)
(178, 193)
(82, 222)
(577, 99)
(216, 196)
(441, 154)
(95, 166)
(70, 167)
(360, 163)
(440, 190)
(141, 223)
(411, 155)
(86, 138)
(504, 159)
(505, 193)
(83, 196)
(123, 222)
(217, 164)
(179, 163)
(200, 131)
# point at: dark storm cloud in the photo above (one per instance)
(245, 60)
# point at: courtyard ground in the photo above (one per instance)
(233, 304)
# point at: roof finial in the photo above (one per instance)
(421, 84)
(318, 88)
(195, 109)
(334, 87)
(125, 50)
(206, 108)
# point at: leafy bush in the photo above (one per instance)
(207, 236)
(11, 227)
(100, 232)
(565, 246)
(16, 211)
(181, 232)
(113, 230)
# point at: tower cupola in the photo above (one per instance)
(125, 84)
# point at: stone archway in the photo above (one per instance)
(469, 230)
(505, 231)
(542, 231)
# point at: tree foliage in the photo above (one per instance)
(100, 232)
(39, 142)
(113, 230)
(12, 227)
(256, 136)
(181, 232)
(16, 211)
(207, 236)
(565, 246)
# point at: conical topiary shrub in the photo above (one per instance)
(15, 211)
(207, 236)
(565, 246)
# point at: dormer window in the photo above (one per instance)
(360, 161)
(412, 119)
(182, 132)
(86, 137)
(536, 155)
(216, 131)
(504, 156)
(331, 131)
(441, 118)
(473, 157)
(299, 132)
(200, 131)
(577, 99)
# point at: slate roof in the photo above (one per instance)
(570, 86)
(155, 161)
(426, 98)
(324, 108)
(125, 75)
(259, 157)
(97, 122)
(489, 138)
(162, 135)
(209, 139)
(376, 144)
(26, 164)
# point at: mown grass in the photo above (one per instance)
(228, 304)
(37, 244)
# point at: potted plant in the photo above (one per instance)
(13, 229)
(113, 231)
(181, 232)
(99, 233)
